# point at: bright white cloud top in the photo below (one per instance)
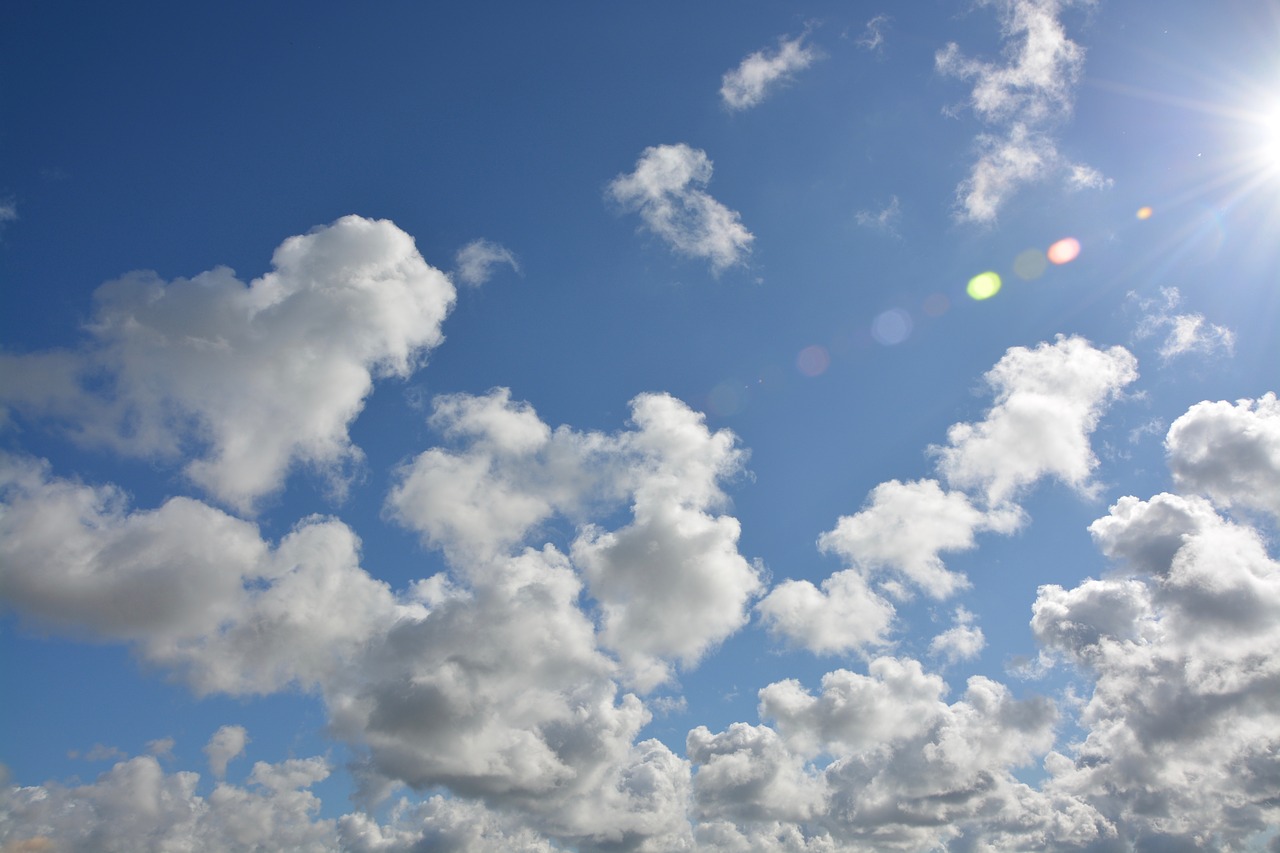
(665, 190)
(763, 71)
(697, 539)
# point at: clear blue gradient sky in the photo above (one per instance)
(515, 426)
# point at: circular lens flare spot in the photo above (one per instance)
(1144, 213)
(1030, 264)
(813, 361)
(891, 327)
(983, 286)
(1064, 251)
(937, 305)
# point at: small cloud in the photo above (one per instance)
(1183, 333)
(964, 641)
(665, 189)
(227, 743)
(1082, 177)
(873, 36)
(886, 219)
(475, 261)
(8, 211)
(161, 747)
(99, 752)
(665, 706)
(763, 71)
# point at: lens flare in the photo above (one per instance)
(983, 286)
(1064, 251)
(1144, 213)
(1030, 264)
(813, 361)
(891, 327)
(937, 304)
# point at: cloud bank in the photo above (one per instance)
(502, 703)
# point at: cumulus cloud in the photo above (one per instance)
(247, 380)
(137, 806)
(1179, 748)
(764, 71)
(228, 742)
(905, 526)
(474, 263)
(1023, 100)
(844, 614)
(1048, 400)
(1231, 453)
(962, 641)
(1182, 333)
(665, 189)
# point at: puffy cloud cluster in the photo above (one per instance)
(1230, 453)
(670, 584)
(586, 568)
(665, 190)
(763, 71)
(1180, 749)
(1048, 401)
(1023, 100)
(246, 380)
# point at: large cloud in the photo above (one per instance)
(248, 380)
(761, 72)
(1231, 453)
(665, 190)
(1180, 744)
(1023, 99)
(1049, 400)
(670, 584)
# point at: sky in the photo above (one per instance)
(594, 427)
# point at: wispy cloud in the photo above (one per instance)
(872, 37)
(764, 71)
(474, 263)
(1183, 333)
(885, 219)
(1023, 99)
(666, 190)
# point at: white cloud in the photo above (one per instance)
(228, 742)
(763, 71)
(904, 527)
(1231, 453)
(137, 806)
(1180, 742)
(1023, 100)
(963, 641)
(1048, 401)
(1183, 333)
(665, 190)
(844, 615)
(8, 212)
(873, 36)
(474, 263)
(886, 219)
(249, 380)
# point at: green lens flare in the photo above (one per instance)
(983, 286)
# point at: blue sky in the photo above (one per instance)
(513, 427)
